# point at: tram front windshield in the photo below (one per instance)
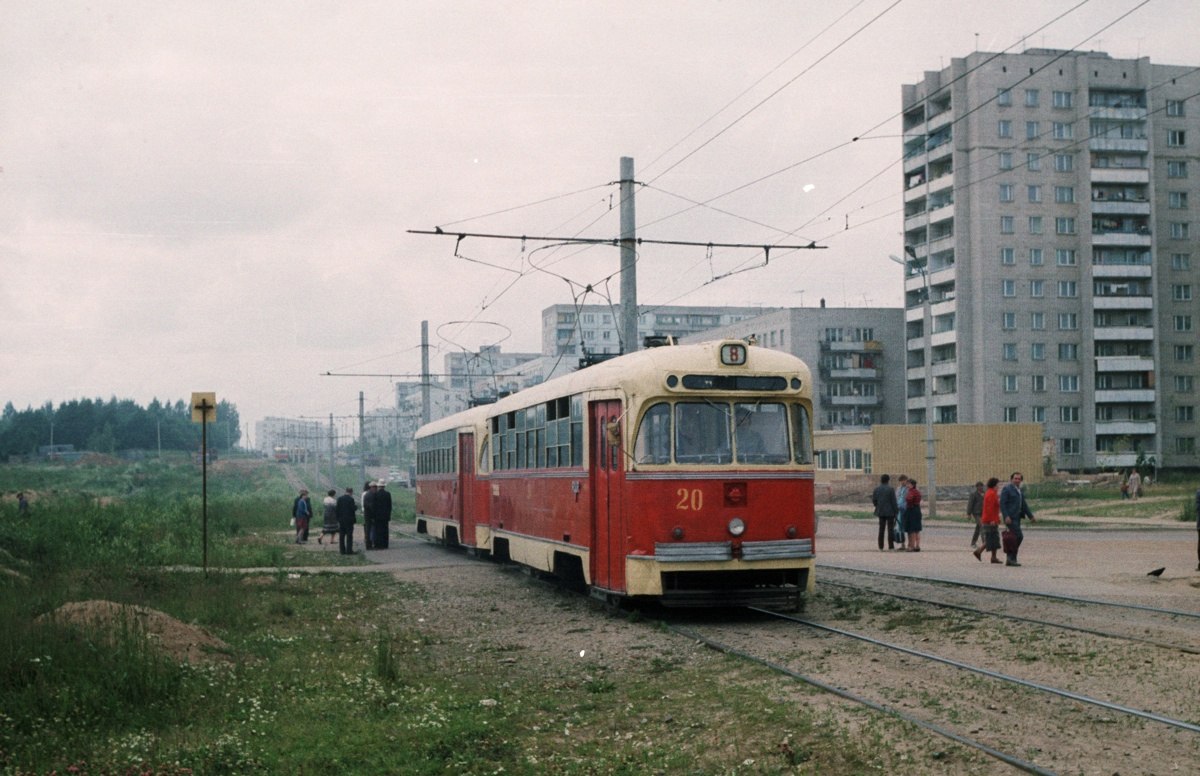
(713, 432)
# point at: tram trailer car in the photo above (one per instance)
(678, 474)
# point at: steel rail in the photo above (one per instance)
(1172, 722)
(1016, 762)
(994, 589)
(1017, 617)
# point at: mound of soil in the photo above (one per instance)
(180, 641)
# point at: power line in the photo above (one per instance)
(613, 241)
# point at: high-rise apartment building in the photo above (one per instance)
(1050, 217)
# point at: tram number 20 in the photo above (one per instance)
(690, 499)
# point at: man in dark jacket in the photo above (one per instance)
(345, 510)
(884, 499)
(975, 511)
(383, 515)
(1012, 508)
(368, 510)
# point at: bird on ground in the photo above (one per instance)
(1156, 572)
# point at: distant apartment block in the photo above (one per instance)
(568, 330)
(290, 433)
(1050, 213)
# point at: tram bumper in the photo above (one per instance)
(706, 574)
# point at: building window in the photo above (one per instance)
(1068, 289)
(1008, 256)
(1065, 257)
(1179, 230)
(1034, 193)
(1006, 192)
(1037, 321)
(1181, 261)
(1039, 414)
(1004, 128)
(1175, 108)
(1064, 225)
(1010, 414)
(1068, 383)
(1062, 130)
(1010, 383)
(1184, 352)
(1177, 169)
(1064, 195)
(1008, 288)
(1181, 292)
(1010, 351)
(1008, 321)
(1037, 351)
(1176, 138)
(1064, 162)
(1068, 414)
(1037, 288)
(1183, 323)
(1185, 445)
(1004, 97)
(1031, 98)
(1035, 224)
(1186, 414)
(1069, 446)
(1068, 351)
(1035, 257)
(1006, 225)
(1006, 160)
(1033, 161)
(1063, 99)
(1037, 383)
(1184, 384)
(1177, 200)
(1032, 130)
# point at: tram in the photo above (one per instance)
(679, 474)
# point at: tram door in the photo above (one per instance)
(608, 487)
(464, 502)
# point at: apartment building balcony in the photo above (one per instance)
(1116, 460)
(1125, 396)
(1122, 239)
(1120, 175)
(1134, 144)
(944, 368)
(855, 374)
(1120, 271)
(1124, 364)
(942, 118)
(1123, 333)
(863, 346)
(1127, 113)
(939, 400)
(1121, 207)
(944, 338)
(1122, 303)
(1126, 428)
(852, 401)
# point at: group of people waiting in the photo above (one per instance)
(341, 515)
(899, 512)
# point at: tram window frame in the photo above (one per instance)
(753, 438)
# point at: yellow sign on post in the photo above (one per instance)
(204, 407)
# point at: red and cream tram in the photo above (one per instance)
(681, 474)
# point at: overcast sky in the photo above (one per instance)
(216, 195)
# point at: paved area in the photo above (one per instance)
(1105, 564)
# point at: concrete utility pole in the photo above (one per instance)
(362, 438)
(425, 408)
(927, 331)
(332, 456)
(629, 308)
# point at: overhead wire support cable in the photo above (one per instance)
(613, 241)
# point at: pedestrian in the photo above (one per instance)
(368, 511)
(1013, 508)
(302, 511)
(990, 521)
(329, 524)
(975, 512)
(22, 505)
(1198, 530)
(1124, 485)
(884, 499)
(912, 517)
(901, 508)
(346, 507)
(1135, 484)
(383, 515)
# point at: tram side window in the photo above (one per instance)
(653, 444)
(702, 433)
(803, 429)
(760, 432)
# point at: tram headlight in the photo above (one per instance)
(791, 532)
(737, 526)
(677, 532)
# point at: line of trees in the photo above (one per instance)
(117, 424)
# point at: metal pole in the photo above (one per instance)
(629, 307)
(426, 410)
(332, 456)
(204, 479)
(930, 451)
(362, 438)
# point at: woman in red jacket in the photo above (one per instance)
(990, 522)
(912, 517)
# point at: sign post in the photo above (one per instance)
(204, 411)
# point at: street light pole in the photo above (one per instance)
(927, 332)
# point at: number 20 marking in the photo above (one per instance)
(690, 500)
